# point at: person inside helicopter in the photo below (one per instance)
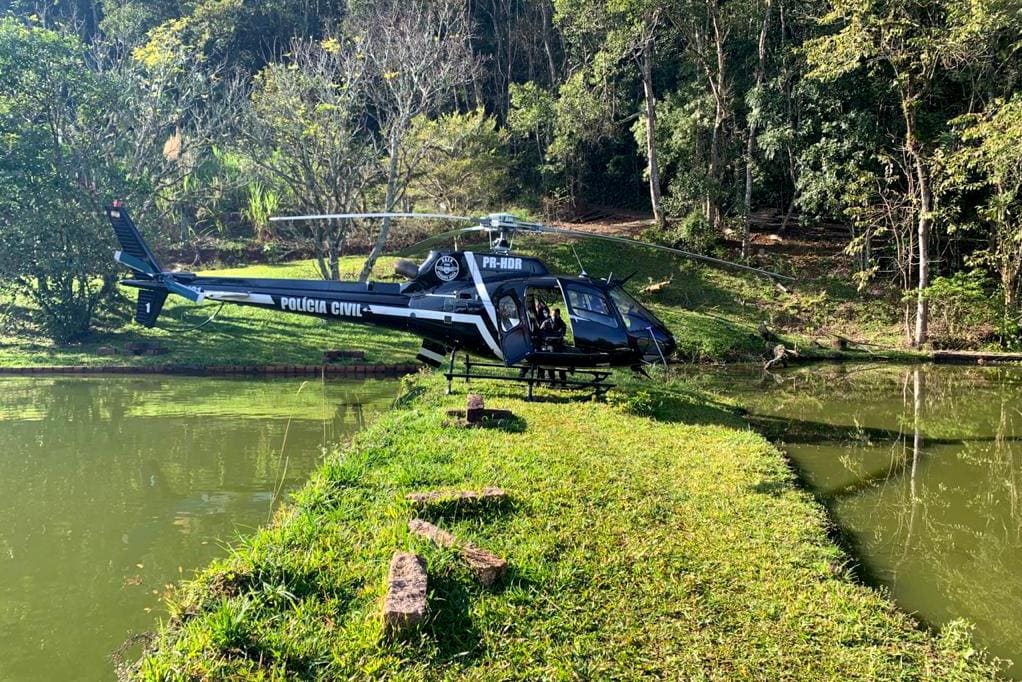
(553, 331)
(541, 312)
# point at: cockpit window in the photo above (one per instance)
(507, 313)
(636, 317)
(591, 305)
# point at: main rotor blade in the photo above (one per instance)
(540, 228)
(442, 236)
(338, 216)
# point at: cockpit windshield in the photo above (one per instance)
(636, 317)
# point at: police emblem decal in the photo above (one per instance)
(446, 268)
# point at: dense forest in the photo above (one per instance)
(900, 120)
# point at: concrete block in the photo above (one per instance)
(489, 568)
(404, 607)
(485, 495)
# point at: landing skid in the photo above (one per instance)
(531, 375)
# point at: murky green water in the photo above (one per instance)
(922, 469)
(112, 487)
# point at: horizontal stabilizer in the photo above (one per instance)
(150, 303)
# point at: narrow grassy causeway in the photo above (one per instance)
(653, 536)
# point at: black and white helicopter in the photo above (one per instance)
(476, 303)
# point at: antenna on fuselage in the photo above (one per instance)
(581, 267)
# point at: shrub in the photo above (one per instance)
(964, 312)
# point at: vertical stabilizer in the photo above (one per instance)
(149, 305)
(134, 251)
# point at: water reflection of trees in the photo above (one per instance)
(922, 469)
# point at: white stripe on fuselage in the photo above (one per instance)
(484, 295)
(462, 318)
(237, 297)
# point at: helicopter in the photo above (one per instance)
(483, 303)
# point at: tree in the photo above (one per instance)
(307, 134)
(56, 247)
(462, 161)
(911, 45)
(608, 36)
(989, 161)
(756, 96)
(81, 127)
(417, 54)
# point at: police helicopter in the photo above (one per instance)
(487, 303)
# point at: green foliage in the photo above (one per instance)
(693, 232)
(987, 162)
(461, 162)
(53, 181)
(965, 315)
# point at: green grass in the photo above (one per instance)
(654, 536)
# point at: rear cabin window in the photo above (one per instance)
(591, 306)
(507, 313)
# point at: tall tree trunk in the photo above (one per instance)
(651, 155)
(914, 149)
(719, 86)
(925, 209)
(750, 142)
(321, 248)
(381, 238)
(547, 30)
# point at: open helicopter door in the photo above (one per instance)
(596, 324)
(515, 339)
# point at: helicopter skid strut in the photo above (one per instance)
(531, 375)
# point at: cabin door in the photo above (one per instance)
(594, 321)
(515, 340)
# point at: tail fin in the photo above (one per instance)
(135, 254)
(150, 303)
(134, 251)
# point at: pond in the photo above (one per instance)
(921, 467)
(113, 487)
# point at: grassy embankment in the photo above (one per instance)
(714, 315)
(653, 536)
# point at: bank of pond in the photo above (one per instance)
(662, 533)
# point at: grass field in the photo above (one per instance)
(654, 536)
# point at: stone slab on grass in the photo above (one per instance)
(491, 494)
(404, 607)
(488, 567)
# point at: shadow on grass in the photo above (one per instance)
(772, 488)
(512, 424)
(456, 636)
(485, 511)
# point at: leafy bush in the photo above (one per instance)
(56, 244)
(964, 312)
(693, 232)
